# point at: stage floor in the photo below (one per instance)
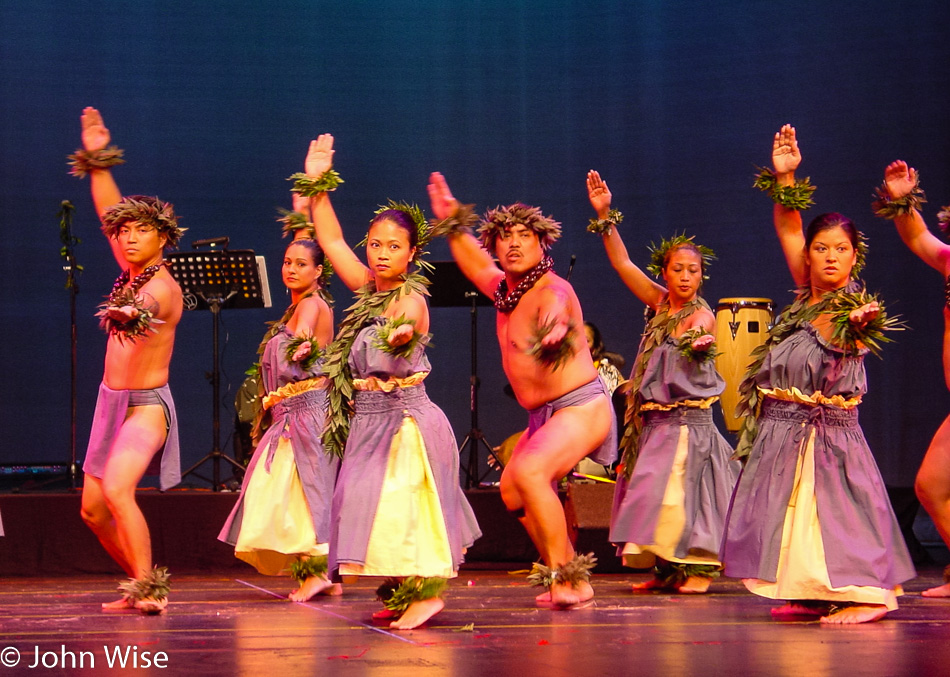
(243, 625)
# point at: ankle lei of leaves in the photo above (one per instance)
(573, 572)
(656, 332)
(685, 346)
(307, 186)
(556, 356)
(603, 226)
(369, 304)
(506, 301)
(153, 585)
(404, 350)
(460, 223)
(293, 221)
(397, 596)
(123, 296)
(797, 196)
(888, 208)
(674, 574)
(84, 162)
(750, 400)
(311, 567)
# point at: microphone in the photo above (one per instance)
(570, 268)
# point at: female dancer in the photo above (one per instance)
(900, 200)
(398, 510)
(810, 520)
(282, 519)
(673, 494)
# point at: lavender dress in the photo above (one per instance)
(301, 420)
(379, 416)
(860, 536)
(709, 476)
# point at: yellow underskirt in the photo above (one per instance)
(802, 573)
(671, 521)
(409, 537)
(276, 527)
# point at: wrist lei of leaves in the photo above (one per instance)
(404, 350)
(603, 226)
(658, 254)
(685, 346)
(889, 208)
(573, 572)
(369, 305)
(311, 567)
(311, 358)
(661, 326)
(797, 196)
(307, 186)
(397, 596)
(84, 162)
(460, 223)
(555, 356)
(153, 585)
(123, 296)
(293, 221)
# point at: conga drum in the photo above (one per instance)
(742, 324)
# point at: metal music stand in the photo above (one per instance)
(450, 288)
(214, 280)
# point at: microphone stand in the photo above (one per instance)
(72, 285)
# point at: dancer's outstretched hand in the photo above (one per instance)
(319, 156)
(899, 179)
(95, 136)
(599, 193)
(443, 204)
(785, 153)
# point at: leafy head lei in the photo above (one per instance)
(145, 210)
(496, 221)
(660, 253)
(423, 229)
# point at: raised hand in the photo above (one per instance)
(95, 136)
(599, 194)
(443, 204)
(319, 156)
(785, 154)
(899, 179)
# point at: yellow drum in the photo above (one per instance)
(742, 324)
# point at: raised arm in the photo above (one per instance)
(900, 180)
(786, 157)
(345, 262)
(636, 280)
(474, 262)
(105, 192)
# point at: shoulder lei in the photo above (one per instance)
(852, 340)
(656, 332)
(369, 305)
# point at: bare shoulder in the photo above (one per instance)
(413, 307)
(703, 318)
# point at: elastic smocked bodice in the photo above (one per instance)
(366, 359)
(671, 377)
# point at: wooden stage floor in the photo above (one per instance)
(241, 625)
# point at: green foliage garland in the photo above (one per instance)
(311, 567)
(84, 162)
(658, 254)
(889, 208)
(685, 346)
(308, 186)
(572, 572)
(153, 585)
(397, 596)
(798, 196)
(555, 356)
(603, 226)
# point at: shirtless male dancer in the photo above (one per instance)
(547, 361)
(135, 414)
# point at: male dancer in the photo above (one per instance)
(135, 414)
(546, 359)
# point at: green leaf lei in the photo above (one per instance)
(658, 254)
(301, 570)
(685, 346)
(309, 187)
(656, 332)
(404, 350)
(153, 585)
(573, 572)
(311, 359)
(555, 356)
(461, 222)
(838, 304)
(83, 161)
(423, 229)
(603, 226)
(397, 596)
(369, 305)
(797, 196)
(889, 208)
(293, 221)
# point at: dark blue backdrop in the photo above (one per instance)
(673, 101)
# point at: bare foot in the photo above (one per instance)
(151, 607)
(565, 595)
(695, 585)
(939, 591)
(418, 613)
(798, 609)
(384, 615)
(652, 584)
(859, 613)
(315, 585)
(123, 604)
